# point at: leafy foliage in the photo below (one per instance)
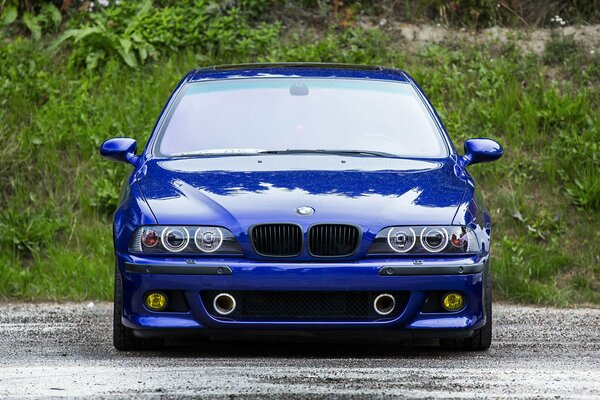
(139, 32)
(46, 19)
(26, 231)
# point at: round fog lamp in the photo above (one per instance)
(156, 301)
(453, 301)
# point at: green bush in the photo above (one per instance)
(137, 32)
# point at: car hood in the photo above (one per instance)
(240, 191)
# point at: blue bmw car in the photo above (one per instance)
(317, 200)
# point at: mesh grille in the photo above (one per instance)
(277, 240)
(312, 305)
(329, 240)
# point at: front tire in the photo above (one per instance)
(123, 337)
(482, 337)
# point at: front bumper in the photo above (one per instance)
(141, 275)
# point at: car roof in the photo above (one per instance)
(295, 69)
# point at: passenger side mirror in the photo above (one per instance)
(481, 150)
(120, 149)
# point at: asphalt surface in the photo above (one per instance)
(65, 350)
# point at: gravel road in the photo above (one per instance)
(56, 350)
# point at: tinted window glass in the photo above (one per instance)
(250, 115)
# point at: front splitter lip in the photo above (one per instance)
(422, 322)
(309, 335)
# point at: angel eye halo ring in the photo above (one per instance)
(208, 238)
(175, 239)
(434, 239)
(401, 239)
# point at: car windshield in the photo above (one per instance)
(296, 115)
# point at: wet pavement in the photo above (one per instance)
(65, 350)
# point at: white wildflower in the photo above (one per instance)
(103, 3)
(558, 20)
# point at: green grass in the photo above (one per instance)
(57, 194)
(79, 268)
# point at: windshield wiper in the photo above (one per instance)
(254, 152)
(335, 152)
(221, 152)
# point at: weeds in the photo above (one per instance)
(27, 230)
(561, 48)
(585, 190)
(138, 32)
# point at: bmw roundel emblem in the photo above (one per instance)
(305, 211)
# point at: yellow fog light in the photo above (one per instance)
(156, 301)
(453, 301)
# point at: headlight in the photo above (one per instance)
(425, 240)
(183, 239)
(175, 239)
(434, 239)
(401, 239)
(208, 238)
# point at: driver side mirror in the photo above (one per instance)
(120, 149)
(481, 150)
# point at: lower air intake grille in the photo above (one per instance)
(309, 305)
(277, 240)
(332, 240)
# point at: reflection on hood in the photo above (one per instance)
(371, 192)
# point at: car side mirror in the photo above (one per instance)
(120, 149)
(481, 150)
